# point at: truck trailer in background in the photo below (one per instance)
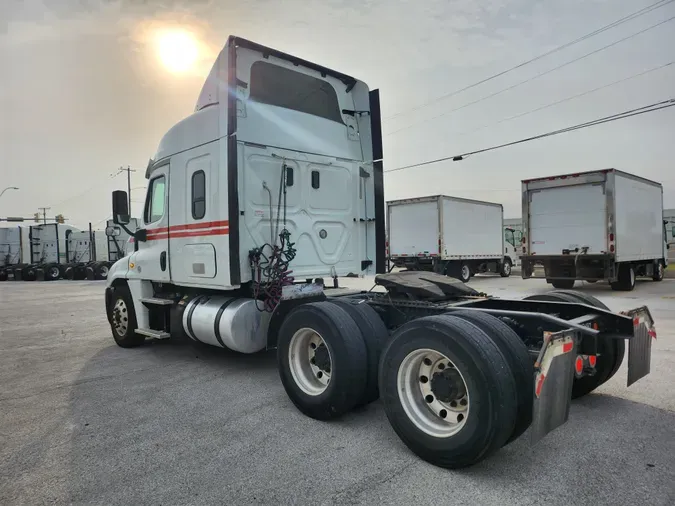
(593, 226)
(448, 235)
(119, 240)
(10, 251)
(86, 254)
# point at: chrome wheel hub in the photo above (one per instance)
(433, 393)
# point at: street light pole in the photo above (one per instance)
(8, 188)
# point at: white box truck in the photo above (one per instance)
(592, 226)
(448, 235)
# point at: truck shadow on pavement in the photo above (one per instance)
(180, 423)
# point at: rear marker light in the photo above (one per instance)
(592, 360)
(611, 237)
(611, 248)
(579, 365)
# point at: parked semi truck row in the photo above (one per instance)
(52, 251)
(448, 235)
(275, 183)
(592, 226)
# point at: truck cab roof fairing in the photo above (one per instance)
(217, 78)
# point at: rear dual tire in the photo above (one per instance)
(322, 360)
(429, 367)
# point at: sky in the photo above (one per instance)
(83, 90)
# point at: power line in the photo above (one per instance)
(111, 176)
(534, 77)
(636, 14)
(567, 99)
(614, 117)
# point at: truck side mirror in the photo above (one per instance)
(120, 207)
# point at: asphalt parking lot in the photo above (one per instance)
(83, 421)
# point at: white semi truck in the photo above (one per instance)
(592, 226)
(448, 235)
(11, 251)
(274, 183)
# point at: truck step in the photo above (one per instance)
(156, 334)
(156, 301)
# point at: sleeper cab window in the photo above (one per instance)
(154, 203)
(198, 195)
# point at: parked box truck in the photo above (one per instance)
(592, 226)
(448, 235)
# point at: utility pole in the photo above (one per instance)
(128, 170)
(44, 214)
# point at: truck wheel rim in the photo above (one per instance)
(507, 268)
(121, 317)
(660, 270)
(433, 393)
(466, 273)
(104, 271)
(632, 276)
(53, 272)
(310, 361)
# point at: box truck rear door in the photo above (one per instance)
(567, 218)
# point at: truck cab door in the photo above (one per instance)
(151, 261)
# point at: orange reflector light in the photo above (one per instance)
(595, 326)
(579, 364)
(592, 359)
(567, 347)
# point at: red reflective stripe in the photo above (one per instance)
(540, 384)
(193, 233)
(190, 226)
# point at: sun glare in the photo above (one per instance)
(178, 50)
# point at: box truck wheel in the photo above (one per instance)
(448, 391)
(626, 278)
(659, 271)
(3, 275)
(562, 283)
(610, 351)
(458, 270)
(321, 356)
(516, 354)
(122, 318)
(375, 335)
(506, 266)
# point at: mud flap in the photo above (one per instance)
(640, 345)
(554, 374)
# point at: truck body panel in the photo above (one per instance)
(414, 227)
(639, 219)
(567, 218)
(471, 229)
(450, 228)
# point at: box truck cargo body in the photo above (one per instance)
(600, 225)
(11, 251)
(449, 235)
